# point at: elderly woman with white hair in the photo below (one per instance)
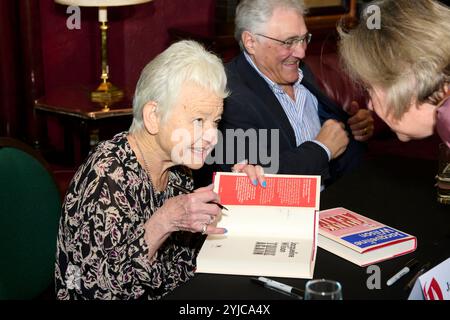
(127, 231)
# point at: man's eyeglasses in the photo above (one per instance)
(291, 42)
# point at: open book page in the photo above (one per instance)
(253, 221)
(261, 256)
(281, 190)
(272, 231)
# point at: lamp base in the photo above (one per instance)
(106, 94)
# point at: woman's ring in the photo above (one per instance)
(204, 228)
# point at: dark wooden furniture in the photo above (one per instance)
(84, 122)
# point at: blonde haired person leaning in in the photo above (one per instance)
(126, 232)
(405, 65)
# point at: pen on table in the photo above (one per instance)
(417, 275)
(278, 286)
(179, 188)
(411, 264)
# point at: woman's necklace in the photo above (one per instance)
(146, 167)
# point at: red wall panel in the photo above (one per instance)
(136, 35)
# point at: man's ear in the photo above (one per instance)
(248, 41)
(151, 117)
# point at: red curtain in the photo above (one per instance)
(21, 79)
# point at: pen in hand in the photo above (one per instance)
(186, 191)
(278, 286)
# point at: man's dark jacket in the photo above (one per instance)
(253, 105)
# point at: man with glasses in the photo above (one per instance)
(273, 94)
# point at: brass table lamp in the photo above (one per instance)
(106, 93)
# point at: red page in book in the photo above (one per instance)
(280, 191)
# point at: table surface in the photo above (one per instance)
(75, 102)
(396, 191)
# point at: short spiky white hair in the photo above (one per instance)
(161, 79)
(253, 15)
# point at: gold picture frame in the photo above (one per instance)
(327, 7)
(325, 14)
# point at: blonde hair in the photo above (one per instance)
(161, 79)
(408, 56)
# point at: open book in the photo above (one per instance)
(361, 240)
(272, 231)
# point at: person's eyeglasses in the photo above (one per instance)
(291, 42)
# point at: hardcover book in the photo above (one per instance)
(361, 240)
(272, 231)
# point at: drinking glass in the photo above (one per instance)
(323, 289)
(443, 176)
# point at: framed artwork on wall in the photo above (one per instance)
(323, 14)
(325, 7)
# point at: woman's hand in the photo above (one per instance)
(194, 212)
(255, 173)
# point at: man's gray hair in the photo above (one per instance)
(161, 79)
(253, 15)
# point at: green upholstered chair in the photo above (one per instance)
(30, 205)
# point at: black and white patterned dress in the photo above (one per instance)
(101, 251)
